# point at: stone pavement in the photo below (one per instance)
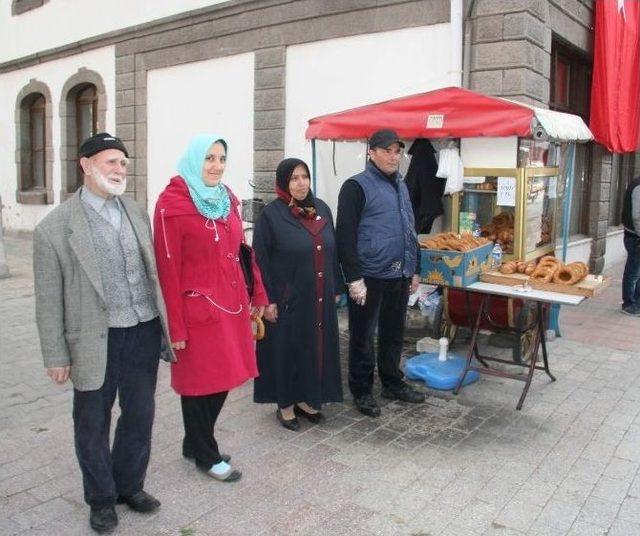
(465, 466)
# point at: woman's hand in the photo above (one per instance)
(257, 311)
(271, 313)
(179, 345)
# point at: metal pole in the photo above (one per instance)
(554, 315)
(566, 215)
(313, 166)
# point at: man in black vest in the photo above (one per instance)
(380, 257)
(631, 222)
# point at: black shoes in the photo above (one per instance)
(367, 405)
(141, 502)
(103, 520)
(404, 393)
(315, 418)
(289, 424)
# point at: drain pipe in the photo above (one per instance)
(466, 47)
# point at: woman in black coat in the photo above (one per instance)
(294, 242)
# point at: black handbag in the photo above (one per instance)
(246, 263)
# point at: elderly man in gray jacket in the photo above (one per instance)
(101, 318)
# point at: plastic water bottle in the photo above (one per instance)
(496, 256)
(476, 230)
(444, 345)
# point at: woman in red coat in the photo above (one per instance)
(197, 240)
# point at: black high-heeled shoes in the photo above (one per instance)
(315, 418)
(289, 424)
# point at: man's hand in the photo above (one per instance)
(59, 374)
(415, 281)
(358, 291)
(179, 345)
(271, 313)
(257, 312)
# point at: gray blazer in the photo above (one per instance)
(70, 309)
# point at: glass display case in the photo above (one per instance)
(517, 207)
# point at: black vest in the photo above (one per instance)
(627, 220)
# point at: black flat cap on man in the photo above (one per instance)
(384, 138)
(101, 142)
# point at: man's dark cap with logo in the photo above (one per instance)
(384, 138)
(101, 142)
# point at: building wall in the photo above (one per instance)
(189, 99)
(64, 22)
(53, 74)
(162, 72)
(333, 84)
(511, 44)
(266, 28)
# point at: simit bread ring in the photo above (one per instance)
(508, 267)
(565, 275)
(543, 274)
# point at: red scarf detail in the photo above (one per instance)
(305, 213)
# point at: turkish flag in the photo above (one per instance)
(615, 90)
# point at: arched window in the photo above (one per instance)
(82, 110)
(35, 178)
(34, 154)
(86, 109)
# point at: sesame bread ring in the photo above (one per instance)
(508, 267)
(566, 275)
(543, 274)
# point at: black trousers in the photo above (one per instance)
(132, 370)
(199, 415)
(386, 308)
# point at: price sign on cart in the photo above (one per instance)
(506, 192)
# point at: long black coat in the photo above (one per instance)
(298, 359)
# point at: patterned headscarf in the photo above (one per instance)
(211, 201)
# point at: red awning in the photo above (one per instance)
(451, 112)
(615, 92)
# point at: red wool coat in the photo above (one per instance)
(205, 294)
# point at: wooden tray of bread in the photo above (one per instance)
(549, 274)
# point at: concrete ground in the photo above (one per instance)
(465, 466)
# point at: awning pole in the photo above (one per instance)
(313, 165)
(554, 315)
(566, 215)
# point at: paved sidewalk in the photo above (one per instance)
(466, 466)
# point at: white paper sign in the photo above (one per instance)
(506, 192)
(553, 187)
(435, 120)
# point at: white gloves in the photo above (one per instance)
(358, 291)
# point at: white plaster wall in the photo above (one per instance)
(213, 96)
(615, 252)
(60, 22)
(489, 152)
(337, 74)
(54, 74)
